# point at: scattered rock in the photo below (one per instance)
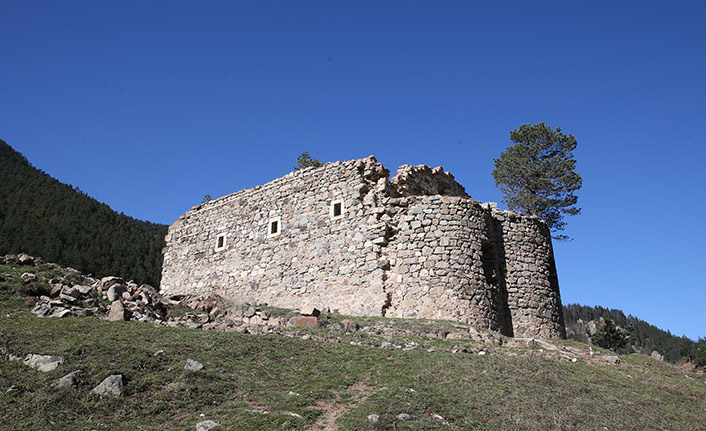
(43, 363)
(612, 359)
(373, 418)
(304, 321)
(206, 425)
(28, 278)
(60, 312)
(250, 312)
(192, 365)
(41, 310)
(403, 416)
(69, 294)
(158, 353)
(68, 380)
(112, 385)
(25, 259)
(115, 292)
(118, 312)
(107, 282)
(438, 418)
(309, 310)
(350, 325)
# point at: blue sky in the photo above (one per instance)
(148, 106)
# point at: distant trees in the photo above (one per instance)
(642, 336)
(43, 217)
(537, 175)
(304, 160)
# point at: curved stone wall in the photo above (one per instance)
(342, 237)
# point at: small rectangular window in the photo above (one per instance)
(337, 209)
(221, 242)
(274, 226)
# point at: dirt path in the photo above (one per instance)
(332, 410)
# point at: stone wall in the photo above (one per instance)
(343, 237)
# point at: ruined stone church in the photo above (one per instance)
(346, 237)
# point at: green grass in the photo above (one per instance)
(332, 381)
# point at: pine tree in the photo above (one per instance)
(537, 175)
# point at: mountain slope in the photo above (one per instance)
(41, 216)
(644, 337)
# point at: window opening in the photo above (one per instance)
(274, 226)
(221, 242)
(337, 209)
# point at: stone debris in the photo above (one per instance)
(304, 321)
(68, 381)
(112, 385)
(28, 278)
(309, 310)
(43, 363)
(612, 359)
(192, 365)
(404, 417)
(207, 425)
(438, 418)
(118, 312)
(373, 418)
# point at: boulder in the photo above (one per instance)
(41, 310)
(118, 312)
(304, 321)
(25, 259)
(656, 355)
(60, 312)
(250, 312)
(350, 325)
(112, 385)
(206, 425)
(69, 294)
(309, 310)
(612, 359)
(28, 277)
(106, 282)
(68, 380)
(43, 363)
(10, 259)
(115, 292)
(192, 365)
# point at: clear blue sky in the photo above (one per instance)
(148, 106)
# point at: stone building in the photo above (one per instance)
(346, 237)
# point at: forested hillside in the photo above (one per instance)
(643, 337)
(43, 217)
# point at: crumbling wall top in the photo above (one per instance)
(423, 180)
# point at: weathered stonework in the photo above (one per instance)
(344, 237)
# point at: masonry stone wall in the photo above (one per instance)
(347, 238)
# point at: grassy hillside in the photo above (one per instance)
(43, 217)
(296, 381)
